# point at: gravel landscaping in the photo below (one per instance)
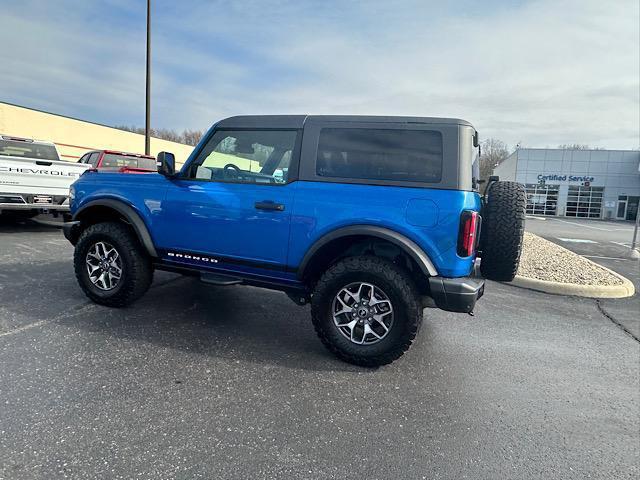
(544, 260)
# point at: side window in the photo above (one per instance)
(246, 156)
(93, 159)
(380, 154)
(83, 158)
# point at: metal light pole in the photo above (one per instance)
(147, 126)
(634, 242)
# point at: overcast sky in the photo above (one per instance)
(541, 73)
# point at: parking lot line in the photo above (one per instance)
(576, 240)
(622, 244)
(591, 226)
(25, 327)
(27, 247)
(605, 258)
(84, 308)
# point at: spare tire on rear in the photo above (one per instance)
(502, 230)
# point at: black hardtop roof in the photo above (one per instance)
(297, 121)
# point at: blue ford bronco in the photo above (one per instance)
(369, 219)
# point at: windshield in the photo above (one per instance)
(115, 160)
(15, 148)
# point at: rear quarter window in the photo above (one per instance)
(380, 154)
(112, 160)
(39, 151)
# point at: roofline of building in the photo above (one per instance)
(577, 149)
(86, 121)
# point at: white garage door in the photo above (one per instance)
(584, 201)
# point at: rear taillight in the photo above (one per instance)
(468, 236)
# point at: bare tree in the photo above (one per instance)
(493, 153)
(192, 137)
(578, 146)
(188, 137)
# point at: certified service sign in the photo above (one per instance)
(564, 178)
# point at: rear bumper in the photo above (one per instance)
(30, 201)
(34, 206)
(456, 294)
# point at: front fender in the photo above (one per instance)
(131, 215)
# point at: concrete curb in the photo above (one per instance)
(592, 291)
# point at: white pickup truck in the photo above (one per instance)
(33, 179)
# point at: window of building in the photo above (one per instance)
(542, 199)
(584, 201)
(380, 154)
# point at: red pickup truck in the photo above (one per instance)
(110, 160)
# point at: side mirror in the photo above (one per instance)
(166, 163)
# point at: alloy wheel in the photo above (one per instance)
(363, 313)
(104, 266)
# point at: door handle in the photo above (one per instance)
(269, 205)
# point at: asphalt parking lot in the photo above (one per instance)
(196, 381)
(606, 243)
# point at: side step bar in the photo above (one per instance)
(219, 279)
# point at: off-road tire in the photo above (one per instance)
(401, 292)
(137, 272)
(502, 230)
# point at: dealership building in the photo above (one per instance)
(577, 183)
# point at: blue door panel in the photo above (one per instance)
(220, 219)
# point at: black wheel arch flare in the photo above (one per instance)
(128, 213)
(406, 244)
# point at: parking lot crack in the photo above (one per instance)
(615, 321)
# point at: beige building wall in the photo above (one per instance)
(74, 137)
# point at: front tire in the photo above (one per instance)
(110, 265)
(366, 310)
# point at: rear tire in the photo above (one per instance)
(364, 334)
(502, 230)
(106, 249)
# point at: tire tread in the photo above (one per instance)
(391, 273)
(503, 230)
(139, 275)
